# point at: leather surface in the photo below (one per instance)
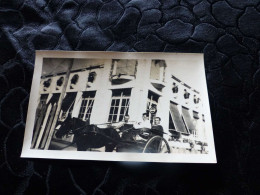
(228, 33)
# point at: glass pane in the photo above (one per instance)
(117, 102)
(114, 118)
(83, 110)
(113, 103)
(89, 110)
(123, 102)
(81, 116)
(122, 110)
(111, 110)
(91, 102)
(110, 118)
(121, 117)
(126, 111)
(116, 110)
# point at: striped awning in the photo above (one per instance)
(177, 119)
(188, 120)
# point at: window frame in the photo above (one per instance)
(123, 96)
(85, 113)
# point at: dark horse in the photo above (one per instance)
(88, 136)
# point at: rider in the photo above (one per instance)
(157, 127)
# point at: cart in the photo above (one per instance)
(142, 141)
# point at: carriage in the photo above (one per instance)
(124, 139)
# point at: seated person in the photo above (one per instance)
(157, 129)
(116, 125)
(125, 123)
(125, 129)
(145, 126)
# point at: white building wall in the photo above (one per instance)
(139, 93)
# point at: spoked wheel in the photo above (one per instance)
(157, 144)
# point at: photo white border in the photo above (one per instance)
(27, 152)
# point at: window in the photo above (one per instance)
(86, 105)
(158, 70)
(119, 104)
(124, 67)
(152, 101)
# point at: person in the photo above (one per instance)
(156, 127)
(125, 124)
(144, 124)
(118, 125)
(144, 127)
(125, 128)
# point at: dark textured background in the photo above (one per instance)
(227, 32)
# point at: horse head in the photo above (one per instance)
(65, 127)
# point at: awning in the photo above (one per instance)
(196, 115)
(68, 101)
(188, 120)
(177, 119)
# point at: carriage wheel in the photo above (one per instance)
(157, 144)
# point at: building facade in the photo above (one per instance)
(103, 91)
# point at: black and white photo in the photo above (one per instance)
(119, 106)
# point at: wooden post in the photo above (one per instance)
(56, 116)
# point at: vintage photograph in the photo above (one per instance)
(119, 106)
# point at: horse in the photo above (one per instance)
(88, 136)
